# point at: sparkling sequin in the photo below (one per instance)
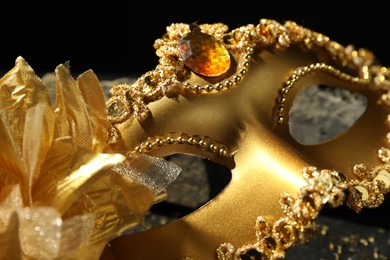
(363, 191)
(384, 176)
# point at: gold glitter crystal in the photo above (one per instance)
(363, 191)
(203, 54)
(384, 176)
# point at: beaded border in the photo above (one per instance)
(198, 141)
(274, 237)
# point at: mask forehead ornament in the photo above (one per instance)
(226, 96)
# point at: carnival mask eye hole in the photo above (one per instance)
(320, 113)
(199, 182)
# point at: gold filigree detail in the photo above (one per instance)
(274, 237)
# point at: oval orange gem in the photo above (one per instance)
(203, 54)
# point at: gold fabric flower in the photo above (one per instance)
(63, 192)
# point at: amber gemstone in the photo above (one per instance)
(203, 54)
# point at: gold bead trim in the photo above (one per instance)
(304, 71)
(274, 237)
(198, 141)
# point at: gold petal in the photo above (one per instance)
(139, 197)
(94, 99)
(14, 198)
(41, 233)
(117, 202)
(11, 171)
(9, 239)
(40, 121)
(67, 173)
(71, 109)
(20, 89)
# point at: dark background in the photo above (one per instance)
(116, 38)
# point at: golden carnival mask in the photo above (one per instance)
(227, 96)
(83, 172)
